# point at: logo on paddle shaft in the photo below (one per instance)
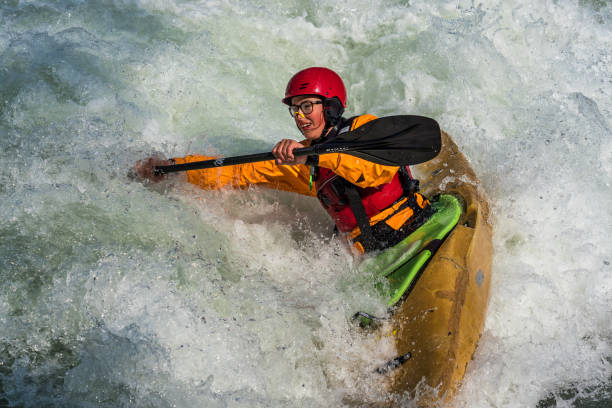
(337, 149)
(218, 162)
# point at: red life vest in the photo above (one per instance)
(331, 194)
(352, 208)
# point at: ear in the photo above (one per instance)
(332, 110)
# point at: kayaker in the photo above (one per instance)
(374, 205)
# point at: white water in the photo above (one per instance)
(115, 294)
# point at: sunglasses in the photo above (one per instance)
(305, 107)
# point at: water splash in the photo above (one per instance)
(116, 294)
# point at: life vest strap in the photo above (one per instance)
(409, 184)
(361, 216)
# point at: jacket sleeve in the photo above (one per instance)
(358, 171)
(267, 173)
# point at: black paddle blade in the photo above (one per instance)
(392, 141)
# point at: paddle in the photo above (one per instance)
(391, 141)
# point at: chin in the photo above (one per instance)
(312, 134)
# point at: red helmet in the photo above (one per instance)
(315, 81)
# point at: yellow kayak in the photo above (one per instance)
(439, 319)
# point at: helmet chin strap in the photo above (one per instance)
(332, 111)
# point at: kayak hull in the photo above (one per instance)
(438, 323)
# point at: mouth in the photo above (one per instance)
(305, 126)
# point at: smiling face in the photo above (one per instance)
(311, 125)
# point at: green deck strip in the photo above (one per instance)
(400, 280)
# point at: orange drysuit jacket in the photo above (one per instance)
(291, 178)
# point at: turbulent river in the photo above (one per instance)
(117, 294)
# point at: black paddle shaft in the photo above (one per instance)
(391, 141)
